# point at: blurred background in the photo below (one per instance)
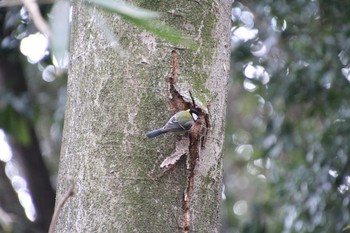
(287, 136)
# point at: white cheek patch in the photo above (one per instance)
(194, 116)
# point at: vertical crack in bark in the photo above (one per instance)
(175, 66)
(197, 138)
(177, 102)
(191, 165)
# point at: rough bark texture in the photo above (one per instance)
(115, 97)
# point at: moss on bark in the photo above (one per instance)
(115, 97)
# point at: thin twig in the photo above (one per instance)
(11, 3)
(34, 11)
(69, 193)
(193, 102)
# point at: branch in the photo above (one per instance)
(11, 3)
(69, 193)
(193, 102)
(34, 11)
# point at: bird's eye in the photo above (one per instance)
(194, 116)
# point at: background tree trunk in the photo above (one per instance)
(115, 97)
(11, 208)
(19, 127)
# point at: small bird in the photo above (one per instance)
(180, 122)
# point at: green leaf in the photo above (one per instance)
(22, 132)
(346, 228)
(162, 30)
(124, 9)
(15, 125)
(60, 27)
(145, 19)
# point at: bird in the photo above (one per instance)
(182, 121)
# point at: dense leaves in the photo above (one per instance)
(288, 127)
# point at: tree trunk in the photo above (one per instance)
(116, 95)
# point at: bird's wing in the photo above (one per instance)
(173, 125)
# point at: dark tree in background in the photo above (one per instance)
(20, 113)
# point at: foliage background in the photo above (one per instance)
(287, 136)
(287, 166)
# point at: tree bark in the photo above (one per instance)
(116, 95)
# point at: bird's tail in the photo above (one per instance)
(155, 133)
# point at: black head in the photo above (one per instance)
(194, 113)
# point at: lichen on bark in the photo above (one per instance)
(115, 98)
